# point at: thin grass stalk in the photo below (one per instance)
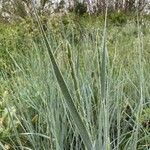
(74, 78)
(141, 78)
(2, 146)
(65, 91)
(103, 105)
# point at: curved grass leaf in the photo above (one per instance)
(65, 91)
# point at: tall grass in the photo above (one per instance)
(77, 89)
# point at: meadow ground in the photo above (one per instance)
(99, 100)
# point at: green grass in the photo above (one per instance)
(74, 89)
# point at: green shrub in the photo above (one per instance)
(80, 8)
(117, 18)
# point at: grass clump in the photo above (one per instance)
(91, 88)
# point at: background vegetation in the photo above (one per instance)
(14, 9)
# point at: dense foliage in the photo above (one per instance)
(11, 10)
(33, 112)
